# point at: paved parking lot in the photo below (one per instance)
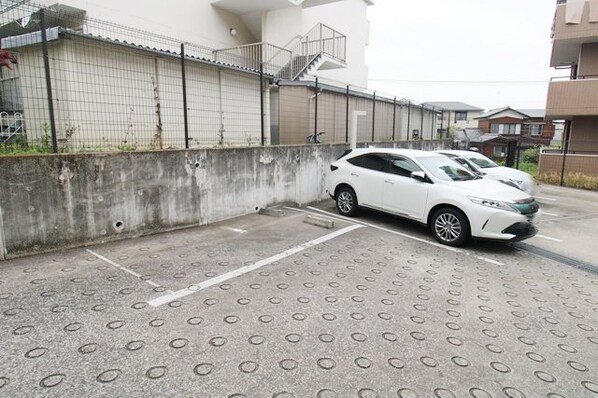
(264, 306)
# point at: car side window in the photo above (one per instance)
(372, 161)
(402, 166)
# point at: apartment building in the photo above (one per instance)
(574, 98)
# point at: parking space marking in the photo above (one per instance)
(121, 268)
(550, 214)
(343, 218)
(489, 260)
(549, 238)
(244, 270)
(237, 230)
(545, 198)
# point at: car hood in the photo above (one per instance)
(507, 172)
(489, 189)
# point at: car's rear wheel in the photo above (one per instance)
(346, 201)
(450, 226)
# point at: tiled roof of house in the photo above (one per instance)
(527, 113)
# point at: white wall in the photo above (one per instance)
(280, 27)
(199, 22)
(349, 17)
(194, 21)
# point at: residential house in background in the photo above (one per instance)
(506, 126)
(456, 115)
(574, 98)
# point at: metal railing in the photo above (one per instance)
(579, 77)
(283, 63)
(320, 40)
(251, 56)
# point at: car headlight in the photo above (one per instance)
(495, 204)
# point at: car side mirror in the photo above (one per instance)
(419, 176)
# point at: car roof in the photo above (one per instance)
(461, 153)
(396, 151)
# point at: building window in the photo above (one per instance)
(460, 116)
(535, 129)
(498, 151)
(508, 129)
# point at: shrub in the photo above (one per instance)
(531, 155)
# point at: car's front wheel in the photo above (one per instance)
(346, 201)
(450, 226)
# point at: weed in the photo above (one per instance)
(572, 180)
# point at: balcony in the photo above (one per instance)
(568, 38)
(570, 98)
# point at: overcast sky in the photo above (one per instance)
(487, 53)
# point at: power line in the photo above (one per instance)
(472, 82)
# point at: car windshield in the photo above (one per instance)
(446, 169)
(482, 161)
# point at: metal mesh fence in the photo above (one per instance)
(73, 83)
(69, 82)
(380, 117)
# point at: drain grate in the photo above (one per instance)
(557, 257)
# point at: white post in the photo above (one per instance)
(353, 138)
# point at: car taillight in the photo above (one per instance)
(332, 167)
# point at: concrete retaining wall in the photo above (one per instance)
(59, 201)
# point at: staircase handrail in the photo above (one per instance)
(287, 63)
(320, 40)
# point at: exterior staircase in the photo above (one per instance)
(321, 48)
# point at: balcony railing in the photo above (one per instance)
(572, 97)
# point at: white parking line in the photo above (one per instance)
(339, 217)
(550, 214)
(121, 267)
(545, 198)
(244, 270)
(549, 238)
(489, 260)
(237, 230)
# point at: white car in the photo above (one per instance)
(434, 190)
(517, 178)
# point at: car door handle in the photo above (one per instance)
(354, 175)
(389, 181)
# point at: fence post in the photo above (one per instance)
(347, 117)
(42, 17)
(374, 117)
(408, 119)
(316, 111)
(421, 133)
(442, 123)
(263, 137)
(565, 149)
(185, 113)
(394, 118)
